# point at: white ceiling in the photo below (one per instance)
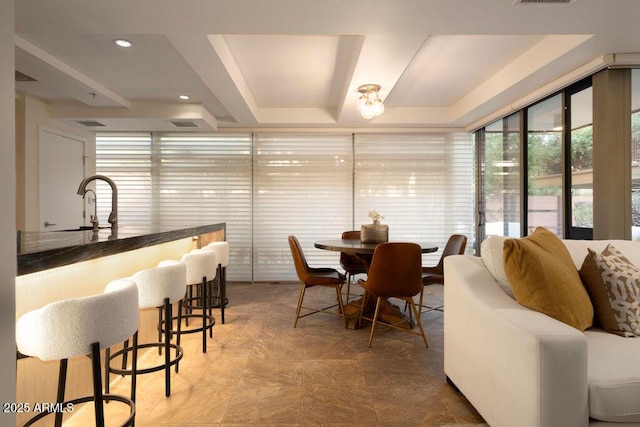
(298, 63)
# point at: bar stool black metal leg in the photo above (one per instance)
(187, 304)
(62, 381)
(179, 330)
(223, 291)
(134, 374)
(97, 384)
(204, 314)
(107, 373)
(167, 341)
(124, 356)
(134, 367)
(159, 329)
(210, 297)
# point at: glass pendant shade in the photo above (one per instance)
(369, 103)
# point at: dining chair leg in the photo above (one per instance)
(349, 278)
(415, 310)
(299, 304)
(339, 293)
(363, 303)
(375, 320)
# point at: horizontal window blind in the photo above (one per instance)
(205, 179)
(302, 186)
(266, 186)
(181, 180)
(126, 159)
(422, 184)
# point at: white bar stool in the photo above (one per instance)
(201, 268)
(157, 288)
(222, 253)
(79, 327)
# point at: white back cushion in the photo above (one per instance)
(492, 249)
(492, 254)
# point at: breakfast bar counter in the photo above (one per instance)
(58, 265)
(39, 251)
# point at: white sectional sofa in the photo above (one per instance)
(519, 367)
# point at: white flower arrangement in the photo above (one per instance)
(375, 216)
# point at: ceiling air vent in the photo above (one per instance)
(91, 123)
(543, 1)
(183, 124)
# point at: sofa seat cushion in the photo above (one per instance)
(613, 366)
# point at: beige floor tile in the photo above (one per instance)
(259, 370)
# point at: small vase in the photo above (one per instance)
(374, 233)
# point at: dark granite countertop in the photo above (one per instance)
(43, 250)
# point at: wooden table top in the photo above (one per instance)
(355, 246)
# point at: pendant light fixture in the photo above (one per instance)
(370, 104)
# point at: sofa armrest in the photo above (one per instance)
(515, 365)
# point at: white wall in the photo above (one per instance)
(31, 115)
(7, 211)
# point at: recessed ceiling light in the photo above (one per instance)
(123, 43)
(184, 96)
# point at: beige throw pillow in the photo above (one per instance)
(613, 283)
(544, 278)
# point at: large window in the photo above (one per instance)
(126, 159)
(181, 180)
(205, 179)
(302, 186)
(544, 165)
(500, 177)
(579, 162)
(266, 186)
(554, 139)
(420, 183)
(635, 153)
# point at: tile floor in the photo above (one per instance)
(259, 370)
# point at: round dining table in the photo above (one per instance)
(365, 251)
(356, 247)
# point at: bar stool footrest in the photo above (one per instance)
(211, 321)
(175, 360)
(105, 398)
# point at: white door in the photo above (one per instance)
(61, 171)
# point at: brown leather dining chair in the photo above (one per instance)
(329, 277)
(395, 271)
(351, 264)
(435, 275)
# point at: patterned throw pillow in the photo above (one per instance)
(613, 284)
(544, 278)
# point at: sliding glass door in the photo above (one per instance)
(544, 165)
(579, 161)
(500, 178)
(536, 168)
(635, 153)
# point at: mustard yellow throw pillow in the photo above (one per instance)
(544, 278)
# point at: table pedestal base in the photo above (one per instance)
(389, 313)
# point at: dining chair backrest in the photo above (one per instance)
(300, 262)
(351, 263)
(455, 246)
(351, 235)
(396, 270)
